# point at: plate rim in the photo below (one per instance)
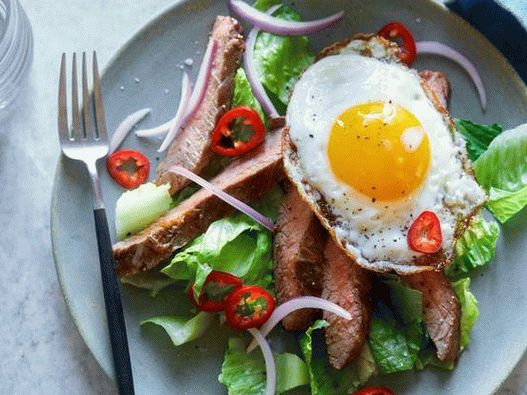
(134, 37)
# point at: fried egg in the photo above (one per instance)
(369, 151)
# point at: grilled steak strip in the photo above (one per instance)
(247, 178)
(298, 257)
(191, 147)
(348, 285)
(441, 310)
(438, 84)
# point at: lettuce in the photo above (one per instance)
(281, 60)
(138, 208)
(475, 248)
(243, 95)
(236, 244)
(183, 329)
(478, 137)
(469, 309)
(502, 171)
(244, 374)
(396, 344)
(151, 280)
(323, 379)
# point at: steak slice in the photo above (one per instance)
(298, 257)
(441, 310)
(247, 178)
(191, 147)
(348, 285)
(437, 82)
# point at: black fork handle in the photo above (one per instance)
(114, 307)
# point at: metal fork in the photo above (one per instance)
(87, 141)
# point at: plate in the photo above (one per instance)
(153, 57)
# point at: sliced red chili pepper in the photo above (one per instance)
(374, 391)
(249, 307)
(217, 287)
(128, 168)
(394, 30)
(223, 139)
(425, 234)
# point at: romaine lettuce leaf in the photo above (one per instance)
(502, 171)
(183, 329)
(280, 59)
(323, 379)
(478, 137)
(244, 374)
(235, 244)
(243, 95)
(138, 208)
(392, 350)
(469, 309)
(152, 280)
(475, 248)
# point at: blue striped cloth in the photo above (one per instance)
(500, 26)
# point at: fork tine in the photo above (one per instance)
(88, 130)
(99, 107)
(63, 105)
(75, 117)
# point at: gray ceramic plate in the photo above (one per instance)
(153, 56)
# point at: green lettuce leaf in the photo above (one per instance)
(235, 244)
(469, 309)
(475, 248)
(502, 171)
(281, 60)
(183, 329)
(478, 137)
(243, 95)
(152, 280)
(323, 379)
(392, 350)
(264, 5)
(138, 208)
(244, 374)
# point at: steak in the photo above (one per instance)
(441, 310)
(348, 285)
(191, 147)
(247, 178)
(298, 257)
(438, 83)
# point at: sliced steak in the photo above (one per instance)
(247, 178)
(191, 147)
(348, 285)
(441, 310)
(438, 83)
(298, 257)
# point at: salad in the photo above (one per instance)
(230, 222)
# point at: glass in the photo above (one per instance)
(16, 51)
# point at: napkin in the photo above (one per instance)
(503, 28)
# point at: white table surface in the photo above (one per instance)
(41, 351)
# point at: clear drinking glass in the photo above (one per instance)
(16, 51)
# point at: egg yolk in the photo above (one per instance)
(379, 149)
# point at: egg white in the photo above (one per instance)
(375, 233)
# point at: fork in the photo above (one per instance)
(87, 141)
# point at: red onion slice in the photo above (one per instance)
(302, 302)
(231, 200)
(186, 91)
(437, 48)
(198, 93)
(125, 127)
(270, 367)
(270, 24)
(252, 71)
